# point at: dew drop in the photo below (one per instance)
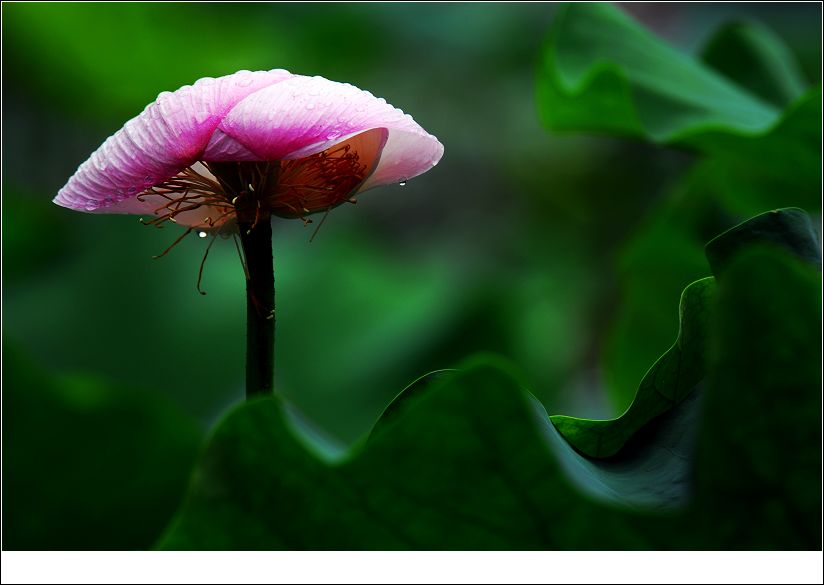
(310, 106)
(332, 135)
(402, 182)
(244, 81)
(201, 234)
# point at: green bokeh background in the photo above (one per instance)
(516, 243)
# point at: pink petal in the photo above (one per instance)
(263, 115)
(168, 136)
(302, 116)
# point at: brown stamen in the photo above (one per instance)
(211, 195)
(318, 182)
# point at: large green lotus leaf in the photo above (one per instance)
(465, 463)
(86, 464)
(758, 479)
(468, 459)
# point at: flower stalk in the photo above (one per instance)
(256, 241)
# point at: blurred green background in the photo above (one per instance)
(565, 252)
(512, 244)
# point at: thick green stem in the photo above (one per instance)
(256, 239)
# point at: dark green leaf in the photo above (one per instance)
(789, 228)
(759, 452)
(464, 465)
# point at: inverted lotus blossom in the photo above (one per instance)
(248, 145)
(225, 155)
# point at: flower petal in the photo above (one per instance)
(168, 136)
(302, 116)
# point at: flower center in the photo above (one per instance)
(210, 195)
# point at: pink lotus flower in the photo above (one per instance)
(226, 154)
(248, 145)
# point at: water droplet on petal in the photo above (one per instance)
(244, 81)
(402, 182)
(310, 106)
(201, 234)
(332, 135)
